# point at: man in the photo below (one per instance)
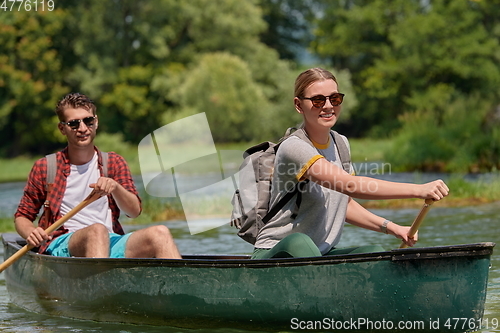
(94, 231)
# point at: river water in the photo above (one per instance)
(442, 226)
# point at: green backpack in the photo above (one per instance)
(250, 201)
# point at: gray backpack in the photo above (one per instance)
(250, 201)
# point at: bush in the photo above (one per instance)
(450, 132)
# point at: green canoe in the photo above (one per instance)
(434, 289)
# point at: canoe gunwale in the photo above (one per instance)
(236, 261)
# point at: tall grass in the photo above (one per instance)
(369, 150)
(7, 224)
(17, 169)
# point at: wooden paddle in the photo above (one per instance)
(93, 196)
(418, 220)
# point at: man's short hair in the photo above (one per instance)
(74, 101)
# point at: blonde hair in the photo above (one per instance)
(308, 77)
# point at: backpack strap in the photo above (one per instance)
(51, 171)
(297, 189)
(49, 182)
(345, 159)
(288, 196)
(345, 156)
(104, 156)
(52, 168)
(51, 176)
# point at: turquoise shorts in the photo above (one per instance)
(117, 243)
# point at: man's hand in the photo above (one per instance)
(104, 186)
(37, 237)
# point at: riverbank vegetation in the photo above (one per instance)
(464, 192)
(466, 189)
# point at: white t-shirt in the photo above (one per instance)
(77, 189)
(322, 212)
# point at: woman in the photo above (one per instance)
(326, 199)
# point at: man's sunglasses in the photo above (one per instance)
(75, 123)
(320, 100)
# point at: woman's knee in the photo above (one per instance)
(298, 239)
(296, 245)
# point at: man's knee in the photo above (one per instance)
(96, 229)
(93, 230)
(160, 231)
(91, 241)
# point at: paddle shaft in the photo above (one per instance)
(418, 221)
(88, 200)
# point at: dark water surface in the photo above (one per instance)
(442, 226)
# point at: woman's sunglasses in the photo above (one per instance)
(75, 123)
(320, 100)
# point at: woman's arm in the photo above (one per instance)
(331, 176)
(359, 216)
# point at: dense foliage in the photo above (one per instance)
(424, 73)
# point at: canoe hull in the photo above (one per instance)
(398, 289)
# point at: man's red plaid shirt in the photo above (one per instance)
(35, 190)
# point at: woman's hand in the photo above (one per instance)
(435, 190)
(401, 232)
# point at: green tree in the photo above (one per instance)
(466, 138)
(399, 50)
(288, 26)
(31, 80)
(221, 85)
(132, 57)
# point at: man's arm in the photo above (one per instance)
(120, 185)
(127, 201)
(27, 230)
(32, 200)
